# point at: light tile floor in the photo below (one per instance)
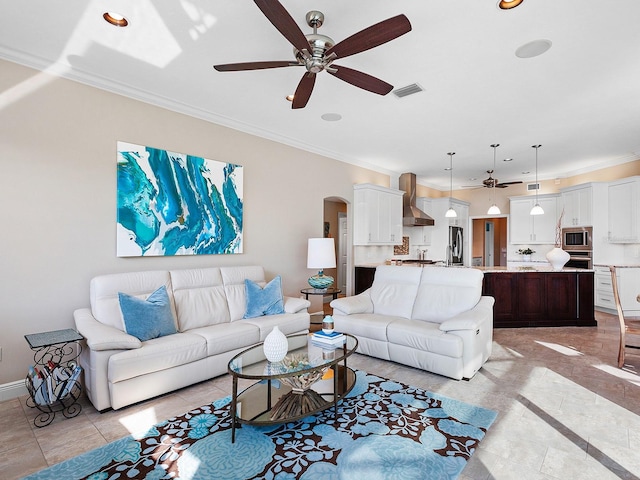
(565, 410)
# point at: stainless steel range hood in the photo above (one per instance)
(412, 216)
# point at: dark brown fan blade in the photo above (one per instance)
(234, 67)
(361, 80)
(506, 184)
(286, 25)
(303, 92)
(371, 37)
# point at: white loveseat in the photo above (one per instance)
(208, 305)
(432, 318)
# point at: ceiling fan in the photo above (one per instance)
(494, 183)
(317, 52)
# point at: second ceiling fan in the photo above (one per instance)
(317, 52)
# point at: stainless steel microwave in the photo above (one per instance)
(577, 238)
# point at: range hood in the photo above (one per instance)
(412, 216)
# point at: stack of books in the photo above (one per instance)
(333, 339)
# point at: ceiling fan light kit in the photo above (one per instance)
(317, 52)
(115, 19)
(509, 4)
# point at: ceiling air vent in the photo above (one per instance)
(408, 90)
(533, 186)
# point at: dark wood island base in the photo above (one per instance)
(534, 298)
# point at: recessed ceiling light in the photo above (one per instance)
(473, 179)
(509, 4)
(331, 117)
(526, 173)
(508, 160)
(533, 49)
(447, 169)
(115, 19)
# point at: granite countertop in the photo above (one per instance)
(510, 269)
(535, 269)
(615, 265)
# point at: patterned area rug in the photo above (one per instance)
(384, 430)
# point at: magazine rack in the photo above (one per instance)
(56, 388)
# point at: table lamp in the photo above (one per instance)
(321, 254)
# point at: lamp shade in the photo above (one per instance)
(321, 254)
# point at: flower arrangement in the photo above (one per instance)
(558, 243)
(525, 251)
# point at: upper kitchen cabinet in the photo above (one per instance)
(577, 203)
(624, 212)
(533, 229)
(439, 207)
(420, 235)
(377, 215)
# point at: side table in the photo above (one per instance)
(334, 292)
(53, 381)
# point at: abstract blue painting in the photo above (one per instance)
(176, 204)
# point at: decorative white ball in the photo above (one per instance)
(275, 345)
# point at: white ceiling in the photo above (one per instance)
(580, 100)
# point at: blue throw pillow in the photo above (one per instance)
(264, 301)
(150, 318)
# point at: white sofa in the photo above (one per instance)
(432, 318)
(208, 305)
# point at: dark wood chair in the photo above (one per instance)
(628, 326)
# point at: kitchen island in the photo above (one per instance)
(540, 297)
(526, 296)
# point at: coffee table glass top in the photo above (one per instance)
(303, 355)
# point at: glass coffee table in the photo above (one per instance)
(310, 379)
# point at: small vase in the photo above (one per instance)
(526, 257)
(557, 258)
(275, 345)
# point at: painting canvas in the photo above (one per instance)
(176, 204)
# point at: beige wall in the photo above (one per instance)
(58, 185)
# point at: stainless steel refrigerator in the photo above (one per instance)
(455, 245)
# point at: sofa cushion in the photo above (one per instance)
(394, 290)
(265, 300)
(150, 318)
(233, 279)
(157, 354)
(424, 336)
(199, 298)
(227, 337)
(288, 323)
(445, 292)
(367, 325)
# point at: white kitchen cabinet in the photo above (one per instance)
(628, 289)
(528, 229)
(604, 288)
(577, 203)
(377, 215)
(624, 212)
(421, 235)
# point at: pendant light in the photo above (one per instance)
(537, 209)
(451, 213)
(493, 209)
